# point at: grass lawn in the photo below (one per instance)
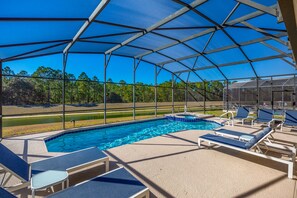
(35, 124)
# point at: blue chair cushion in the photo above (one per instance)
(258, 137)
(291, 118)
(224, 140)
(14, 163)
(67, 161)
(6, 194)
(242, 112)
(116, 184)
(237, 143)
(262, 133)
(265, 115)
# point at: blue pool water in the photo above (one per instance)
(109, 137)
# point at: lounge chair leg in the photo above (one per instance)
(147, 194)
(107, 165)
(199, 143)
(33, 193)
(290, 170)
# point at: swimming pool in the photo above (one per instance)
(113, 136)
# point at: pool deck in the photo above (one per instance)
(172, 166)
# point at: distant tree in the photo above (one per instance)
(114, 98)
(23, 73)
(83, 85)
(96, 90)
(20, 92)
(7, 74)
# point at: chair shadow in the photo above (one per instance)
(156, 187)
(250, 158)
(261, 187)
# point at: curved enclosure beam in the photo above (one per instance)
(158, 24)
(138, 32)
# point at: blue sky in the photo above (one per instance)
(122, 68)
(119, 68)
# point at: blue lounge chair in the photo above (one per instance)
(290, 119)
(72, 162)
(5, 194)
(277, 147)
(251, 147)
(242, 114)
(264, 116)
(118, 183)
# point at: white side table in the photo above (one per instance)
(48, 179)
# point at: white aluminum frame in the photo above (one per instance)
(253, 151)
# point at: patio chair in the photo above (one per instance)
(5, 194)
(268, 144)
(116, 183)
(290, 119)
(242, 114)
(250, 147)
(264, 116)
(73, 162)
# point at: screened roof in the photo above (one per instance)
(281, 82)
(198, 40)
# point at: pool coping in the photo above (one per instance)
(101, 126)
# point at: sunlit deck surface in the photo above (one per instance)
(172, 166)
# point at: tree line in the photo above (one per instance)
(45, 87)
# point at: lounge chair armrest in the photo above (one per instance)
(249, 117)
(228, 112)
(275, 119)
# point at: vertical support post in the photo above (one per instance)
(227, 94)
(283, 98)
(156, 84)
(134, 79)
(1, 101)
(294, 93)
(239, 97)
(64, 90)
(186, 96)
(258, 93)
(204, 97)
(271, 92)
(172, 92)
(104, 86)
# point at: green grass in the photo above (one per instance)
(9, 122)
(36, 124)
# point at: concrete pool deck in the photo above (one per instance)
(172, 166)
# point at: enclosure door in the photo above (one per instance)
(283, 99)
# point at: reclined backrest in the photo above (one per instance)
(265, 114)
(291, 116)
(242, 112)
(12, 162)
(258, 137)
(5, 194)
